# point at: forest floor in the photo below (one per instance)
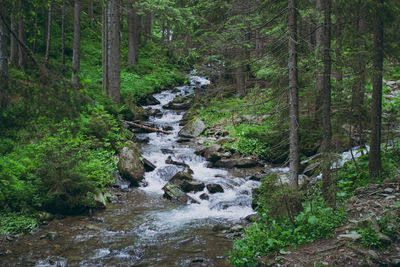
(375, 206)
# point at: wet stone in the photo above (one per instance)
(204, 196)
(214, 188)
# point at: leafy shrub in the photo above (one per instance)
(351, 177)
(369, 238)
(268, 235)
(59, 173)
(14, 223)
(279, 199)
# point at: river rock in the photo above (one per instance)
(186, 183)
(130, 165)
(193, 129)
(204, 196)
(175, 193)
(385, 240)
(212, 153)
(179, 103)
(148, 100)
(214, 188)
(177, 187)
(251, 217)
(353, 236)
(239, 163)
(148, 166)
(100, 200)
(51, 236)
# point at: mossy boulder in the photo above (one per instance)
(192, 129)
(130, 164)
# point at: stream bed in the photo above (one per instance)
(143, 228)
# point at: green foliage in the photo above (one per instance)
(350, 177)
(267, 235)
(15, 223)
(369, 238)
(58, 173)
(279, 199)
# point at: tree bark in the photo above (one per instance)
(111, 83)
(293, 97)
(63, 32)
(148, 26)
(326, 105)
(90, 11)
(360, 75)
(319, 82)
(13, 41)
(76, 57)
(48, 39)
(22, 38)
(35, 30)
(375, 164)
(132, 34)
(105, 46)
(3, 61)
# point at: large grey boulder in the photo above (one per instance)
(192, 129)
(130, 165)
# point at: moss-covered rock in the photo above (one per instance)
(193, 129)
(130, 164)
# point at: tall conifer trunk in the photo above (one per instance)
(48, 36)
(76, 58)
(375, 164)
(326, 104)
(63, 32)
(22, 38)
(133, 44)
(293, 96)
(3, 60)
(13, 41)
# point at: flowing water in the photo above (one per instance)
(143, 228)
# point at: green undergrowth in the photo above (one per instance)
(256, 132)
(269, 235)
(353, 175)
(151, 74)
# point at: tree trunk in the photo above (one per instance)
(104, 45)
(360, 75)
(293, 97)
(63, 32)
(326, 105)
(13, 41)
(3, 61)
(90, 11)
(22, 38)
(148, 26)
(319, 82)
(375, 164)
(113, 35)
(35, 30)
(132, 34)
(76, 58)
(48, 39)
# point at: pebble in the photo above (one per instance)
(353, 236)
(389, 190)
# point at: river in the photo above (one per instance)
(142, 228)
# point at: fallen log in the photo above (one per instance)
(137, 125)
